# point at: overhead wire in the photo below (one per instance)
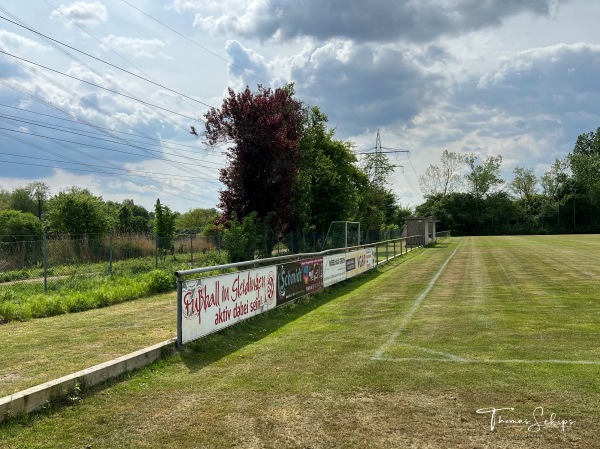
(61, 141)
(54, 43)
(87, 134)
(144, 174)
(95, 85)
(162, 143)
(96, 58)
(196, 43)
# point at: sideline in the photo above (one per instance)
(413, 309)
(452, 358)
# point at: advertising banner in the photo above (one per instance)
(213, 303)
(354, 263)
(296, 279)
(370, 258)
(334, 269)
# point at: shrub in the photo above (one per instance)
(159, 281)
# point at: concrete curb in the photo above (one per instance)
(34, 398)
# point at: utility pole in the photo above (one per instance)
(378, 161)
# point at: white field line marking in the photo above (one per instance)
(446, 355)
(514, 361)
(413, 309)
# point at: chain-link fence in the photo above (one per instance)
(37, 265)
(51, 263)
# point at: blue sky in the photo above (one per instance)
(512, 78)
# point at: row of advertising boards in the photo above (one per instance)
(213, 303)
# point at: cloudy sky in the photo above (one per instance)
(496, 77)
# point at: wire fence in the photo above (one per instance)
(49, 263)
(31, 266)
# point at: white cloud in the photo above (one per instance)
(139, 48)
(15, 43)
(87, 14)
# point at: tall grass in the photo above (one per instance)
(77, 291)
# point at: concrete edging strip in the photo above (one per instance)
(34, 398)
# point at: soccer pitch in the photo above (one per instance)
(475, 342)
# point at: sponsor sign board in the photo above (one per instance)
(370, 258)
(296, 279)
(334, 269)
(354, 263)
(213, 303)
(358, 262)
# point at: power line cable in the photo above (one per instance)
(196, 43)
(96, 85)
(162, 143)
(145, 174)
(83, 134)
(34, 95)
(117, 175)
(98, 59)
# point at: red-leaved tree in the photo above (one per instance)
(263, 129)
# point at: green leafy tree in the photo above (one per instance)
(555, 180)
(39, 192)
(164, 228)
(585, 163)
(20, 238)
(484, 176)
(21, 200)
(131, 218)
(378, 169)
(250, 239)
(446, 178)
(524, 184)
(326, 186)
(78, 212)
(198, 220)
(4, 199)
(17, 226)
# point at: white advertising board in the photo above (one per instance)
(213, 303)
(334, 269)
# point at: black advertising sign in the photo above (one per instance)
(296, 279)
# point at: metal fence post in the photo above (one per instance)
(179, 313)
(110, 252)
(45, 249)
(387, 255)
(191, 250)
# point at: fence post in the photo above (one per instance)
(156, 251)
(191, 249)
(179, 313)
(394, 248)
(45, 262)
(110, 252)
(387, 255)
(376, 255)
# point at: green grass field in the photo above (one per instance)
(404, 357)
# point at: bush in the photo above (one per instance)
(251, 239)
(159, 281)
